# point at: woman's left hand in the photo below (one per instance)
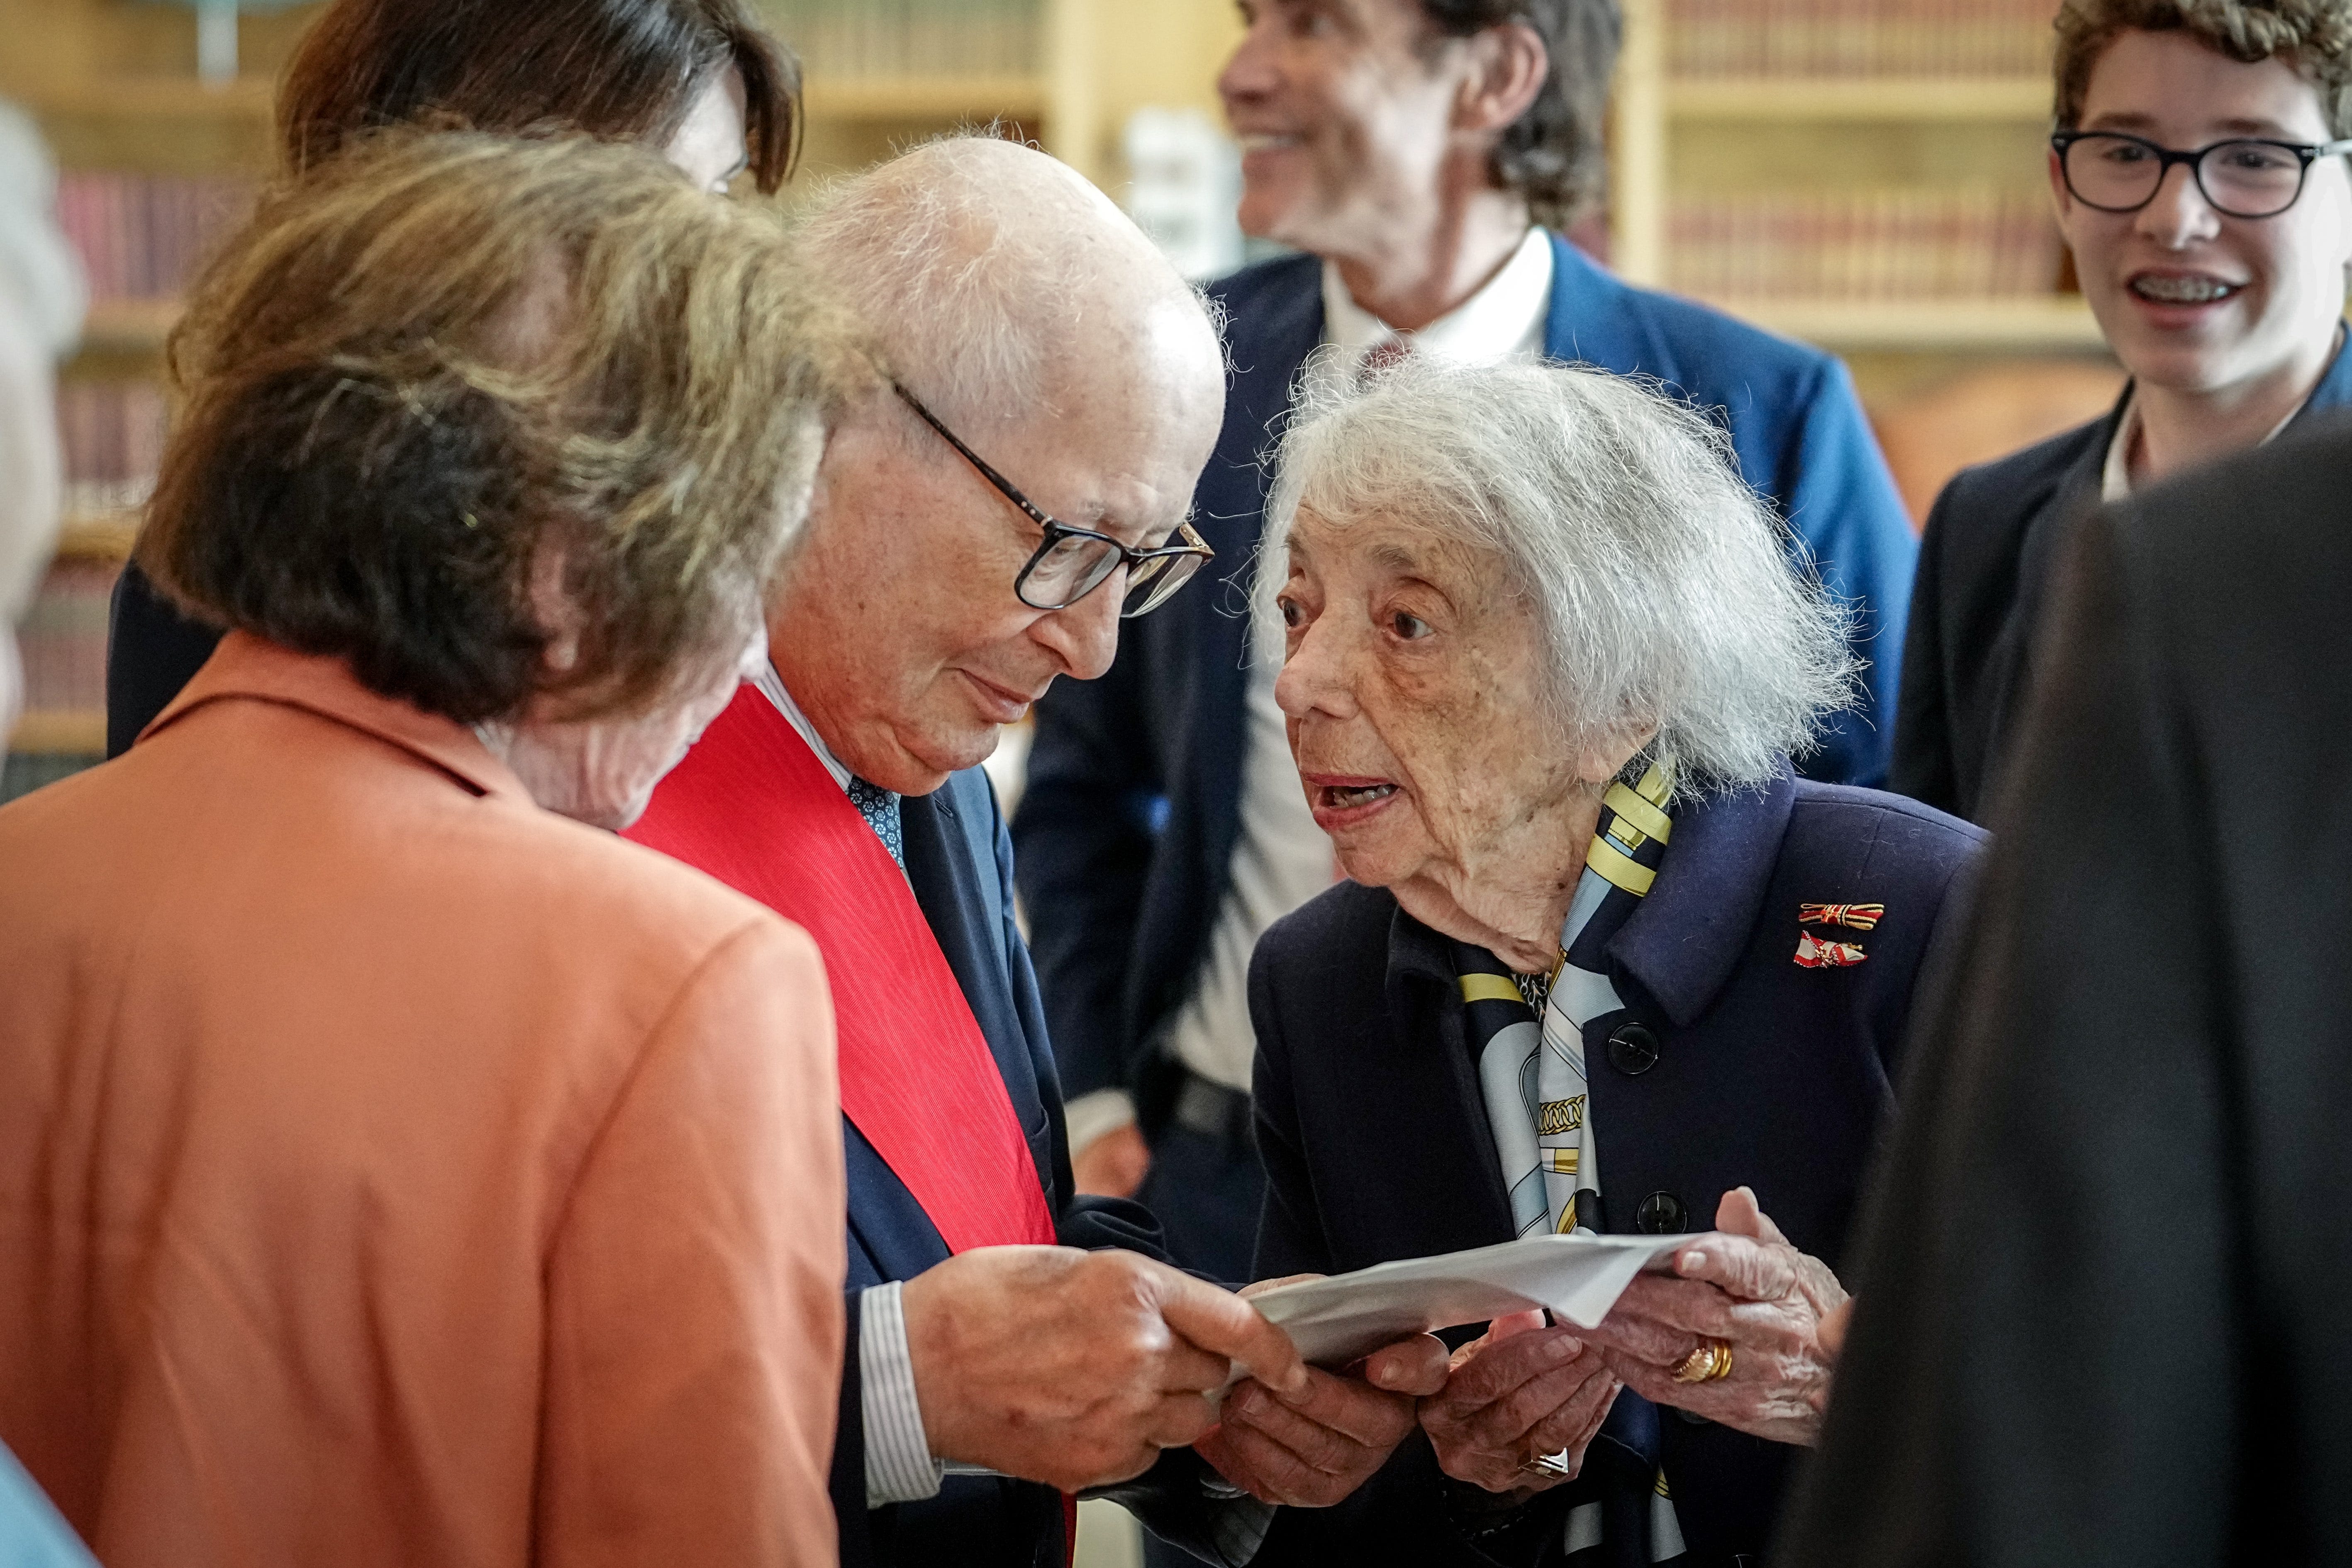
(1781, 1312)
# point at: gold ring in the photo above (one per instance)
(1709, 1360)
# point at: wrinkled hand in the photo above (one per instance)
(1114, 1165)
(1782, 1313)
(1518, 1391)
(1076, 1368)
(1315, 1448)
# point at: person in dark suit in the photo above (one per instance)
(1008, 1342)
(702, 81)
(2102, 1276)
(1422, 154)
(2219, 282)
(1605, 963)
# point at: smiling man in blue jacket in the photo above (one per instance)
(1422, 154)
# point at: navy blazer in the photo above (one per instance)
(958, 861)
(1133, 802)
(1985, 567)
(1768, 1074)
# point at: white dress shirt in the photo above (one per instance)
(1282, 859)
(900, 1466)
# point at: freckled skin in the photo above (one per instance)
(1415, 662)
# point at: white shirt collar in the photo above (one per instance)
(1503, 320)
(2115, 480)
(771, 687)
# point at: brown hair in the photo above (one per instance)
(442, 353)
(1555, 155)
(622, 69)
(2314, 36)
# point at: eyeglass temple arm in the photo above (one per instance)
(1004, 486)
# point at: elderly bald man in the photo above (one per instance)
(1016, 485)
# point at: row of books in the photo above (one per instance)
(1860, 37)
(1865, 246)
(145, 236)
(63, 639)
(113, 433)
(890, 38)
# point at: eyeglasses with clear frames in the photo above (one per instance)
(1072, 562)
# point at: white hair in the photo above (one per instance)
(978, 264)
(39, 273)
(1662, 583)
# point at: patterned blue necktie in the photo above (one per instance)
(879, 807)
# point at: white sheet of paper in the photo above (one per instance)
(1578, 1278)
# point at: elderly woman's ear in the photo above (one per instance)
(1608, 753)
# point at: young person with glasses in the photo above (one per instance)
(2200, 177)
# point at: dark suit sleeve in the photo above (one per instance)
(1922, 766)
(2041, 1367)
(152, 652)
(1837, 494)
(1086, 827)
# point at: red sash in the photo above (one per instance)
(754, 806)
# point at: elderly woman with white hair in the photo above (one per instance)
(1603, 962)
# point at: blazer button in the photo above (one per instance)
(1632, 1048)
(1661, 1214)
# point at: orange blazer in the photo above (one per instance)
(393, 1172)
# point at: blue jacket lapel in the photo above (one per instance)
(1684, 940)
(1591, 320)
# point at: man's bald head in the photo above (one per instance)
(983, 270)
(1033, 318)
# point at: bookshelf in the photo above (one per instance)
(113, 85)
(1853, 128)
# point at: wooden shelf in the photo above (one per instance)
(2053, 323)
(926, 98)
(157, 97)
(128, 326)
(105, 537)
(1801, 98)
(60, 735)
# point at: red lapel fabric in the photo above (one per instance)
(754, 806)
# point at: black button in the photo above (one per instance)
(1661, 1214)
(1632, 1048)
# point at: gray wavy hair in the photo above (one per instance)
(1662, 582)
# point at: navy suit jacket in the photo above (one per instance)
(958, 860)
(1768, 1074)
(1985, 568)
(1133, 803)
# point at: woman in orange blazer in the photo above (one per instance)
(392, 1171)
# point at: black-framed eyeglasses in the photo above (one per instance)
(1073, 562)
(2246, 177)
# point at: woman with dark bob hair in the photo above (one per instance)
(699, 81)
(391, 1170)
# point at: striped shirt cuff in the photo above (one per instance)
(899, 1463)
